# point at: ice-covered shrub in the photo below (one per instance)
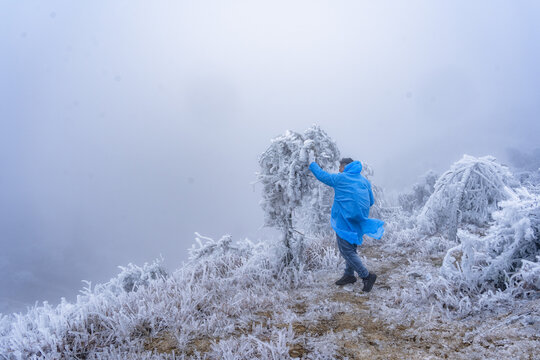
(420, 193)
(529, 179)
(133, 277)
(105, 315)
(526, 168)
(467, 193)
(527, 278)
(206, 246)
(288, 190)
(487, 262)
(321, 252)
(483, 230)
(499, 265)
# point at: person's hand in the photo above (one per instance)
(308, 143)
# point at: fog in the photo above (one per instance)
(126, 126)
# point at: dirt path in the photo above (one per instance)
(368, 335)
(351, 322)
(363, 336)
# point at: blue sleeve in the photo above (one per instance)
(371, 199)
(323, 176)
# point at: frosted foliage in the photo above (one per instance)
(217, 297)
(281, 176)
(528, 276)
(133, 277)
(488, 270)
(206, 246)
(286, 177)
(420, 193)
(379, 207)
(103, 316)
(314, 214)
(476, 298)
(291, 195)
(477, 237)
(530, 180)
(467, 193)
(490, 261)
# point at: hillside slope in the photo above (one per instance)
(454, 281)
(220, 306)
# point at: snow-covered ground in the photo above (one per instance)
(458, 277)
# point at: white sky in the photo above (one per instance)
(125, 126)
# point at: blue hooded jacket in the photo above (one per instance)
(352, 199)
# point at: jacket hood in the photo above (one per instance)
(353, 168)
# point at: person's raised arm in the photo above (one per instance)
(323, 176)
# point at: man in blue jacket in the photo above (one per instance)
(350, 216)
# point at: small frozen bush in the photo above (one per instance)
(133, 277)
(321, 252)
(527, 278)
(498, 266)
(208, 247)
(467, 193)
(420, 193)
(526, 168)
(103, 316)
(529, 180)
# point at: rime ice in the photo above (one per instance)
(290, 194)
(475, 295)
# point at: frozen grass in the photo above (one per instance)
(222, 293)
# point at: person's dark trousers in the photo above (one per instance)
(352, 260)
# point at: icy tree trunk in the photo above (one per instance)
(288, 239)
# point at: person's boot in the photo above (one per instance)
(346, 279)
(368, 282)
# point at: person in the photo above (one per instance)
(350, 220)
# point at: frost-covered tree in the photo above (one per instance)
(288, 186)
(467, 193)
